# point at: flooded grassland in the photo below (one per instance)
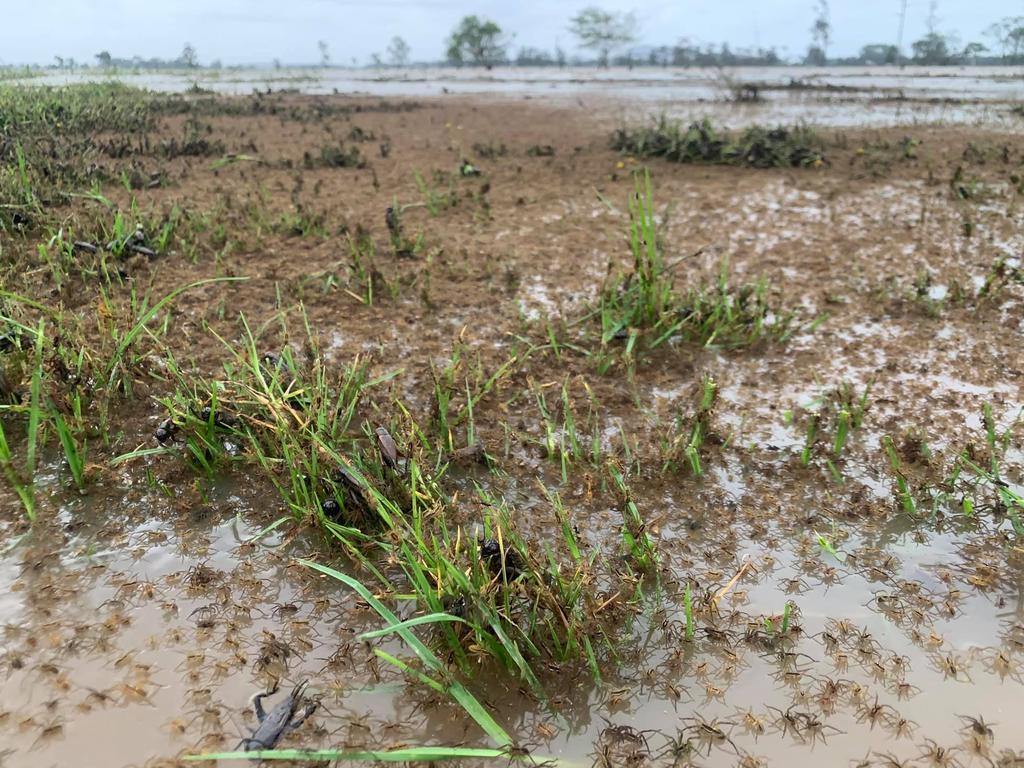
(685, 446)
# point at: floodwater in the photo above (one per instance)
(838, 96)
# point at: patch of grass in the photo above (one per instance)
(690, 432)
(644, 309)
(441, 681)
(795, 146)
(829, 420)
(438, 196)
(335, 156)
(566, 437)
(638, 545)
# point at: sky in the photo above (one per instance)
(259, 31)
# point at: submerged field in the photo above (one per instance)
(707, 445)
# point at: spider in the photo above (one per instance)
(977, 726)
(709, 733)
(940, 757)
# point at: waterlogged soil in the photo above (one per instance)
(139, 617)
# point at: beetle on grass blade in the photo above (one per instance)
(387, 447)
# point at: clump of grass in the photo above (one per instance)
(638, 545)
(1003, 272)
(566, 437)
(438, 196)
(459, 385)
(834, 415)
(690, 432)
(194, 141)
(644, 309)
(335, 156)
(902, 484)
(365, 280)
(301, 222)
(796, 146)
(487, 592)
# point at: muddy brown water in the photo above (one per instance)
(136, 624)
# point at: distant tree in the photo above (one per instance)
(879, 53)
(1008, 35)
(560, 57)
(603, 31)
(476, 41)
(933, 48)
(59, 62)
(103, 59)
(376, 60)
(189, 57)
(398, 52)
(972, 51)
(277, 63)
(325, 54)
(821, 33)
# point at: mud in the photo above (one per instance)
(140, 616)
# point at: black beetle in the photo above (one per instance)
(490, 553)
(165, 431)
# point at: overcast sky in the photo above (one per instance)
(256, 31)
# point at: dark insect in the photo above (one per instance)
(82, 245)
(350, 481)
(490, 553)
(282, 719)
(220, 418)
(455, 605)
(331, 508)
(387, 447)
(271, 361)
(165, 431)
(391, 219)
(353, 489)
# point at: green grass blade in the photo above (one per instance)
(455, 689)
(432, 618)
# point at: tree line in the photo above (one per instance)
(611, 39)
